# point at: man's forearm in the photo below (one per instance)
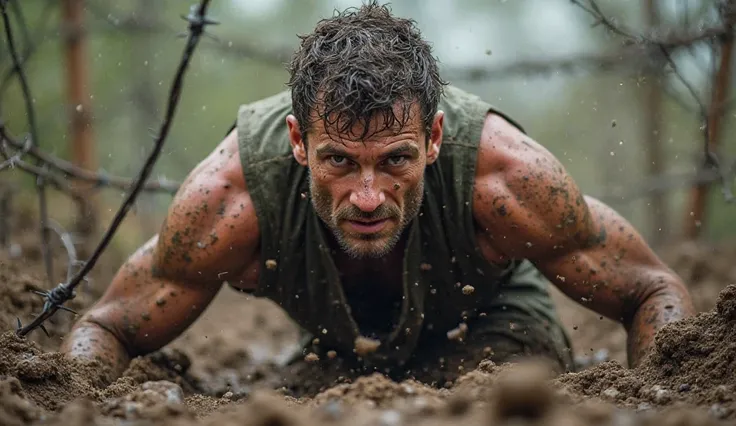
(662, 307)
(90, 341)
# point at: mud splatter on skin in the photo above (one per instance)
(588, 250)
(139, 309)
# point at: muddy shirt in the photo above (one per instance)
(441, 255)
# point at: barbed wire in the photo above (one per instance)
(722, 32)
(639, 51)
(54, 299)
(33, 138)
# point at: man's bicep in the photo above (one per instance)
(211, 229)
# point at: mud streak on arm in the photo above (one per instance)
(529, 207)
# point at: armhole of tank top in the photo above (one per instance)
(244, 136)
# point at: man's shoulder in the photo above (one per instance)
(277, 101)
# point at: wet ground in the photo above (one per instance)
(226, 369)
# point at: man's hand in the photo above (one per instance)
(532, 209)
(209, 235)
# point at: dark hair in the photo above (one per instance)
(357, 65)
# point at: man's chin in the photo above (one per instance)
(367, 246)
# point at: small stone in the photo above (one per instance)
(271, 264)
(468, 289)
(425, 267)
(311, 357)
(227, 395)
(331, 354)
(684, 388)
(718, 411)
(612, 393)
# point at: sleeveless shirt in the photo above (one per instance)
(441, 255)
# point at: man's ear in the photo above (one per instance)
(298, 147)
(435, 138)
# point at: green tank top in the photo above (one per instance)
(441, 254)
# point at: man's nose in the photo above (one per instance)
(368, 197)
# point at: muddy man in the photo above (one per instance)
(404, 224)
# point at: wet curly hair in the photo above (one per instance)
(361, 64)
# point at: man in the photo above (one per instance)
(406, 225)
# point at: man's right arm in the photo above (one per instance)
(209, 235)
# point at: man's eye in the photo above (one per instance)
(338, 160)
(398, 160)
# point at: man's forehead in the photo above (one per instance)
(403, 120)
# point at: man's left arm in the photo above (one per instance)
(532, 209)
(615, 273)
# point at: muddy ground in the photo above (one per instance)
(226, 368)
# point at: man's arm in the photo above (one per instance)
(532, 209)
(209, 235)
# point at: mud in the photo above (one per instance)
(229, 368)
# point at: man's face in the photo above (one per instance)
(367, 191)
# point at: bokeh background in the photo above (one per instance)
(601, 122)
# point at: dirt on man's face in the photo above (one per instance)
(367, 190)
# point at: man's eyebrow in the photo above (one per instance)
(406, 148)
(330, 150)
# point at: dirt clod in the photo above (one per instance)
(365, 345)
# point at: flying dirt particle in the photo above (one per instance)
(522, 393)
(331, 354)
(468, 290)
(487, 351)
(271, 264)
(146, 316)
(613, 123)
(458, 333)
(397, 186)
(425, 267)
(160, 301)
(315, 341)
(364, 345)
(303, 195)
(311, 357)
(574, 327)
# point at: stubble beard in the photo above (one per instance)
(362, 246)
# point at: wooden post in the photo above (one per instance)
(77, 81)
(696, 212)
(655, 156)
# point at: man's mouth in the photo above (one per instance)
(363, 226)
